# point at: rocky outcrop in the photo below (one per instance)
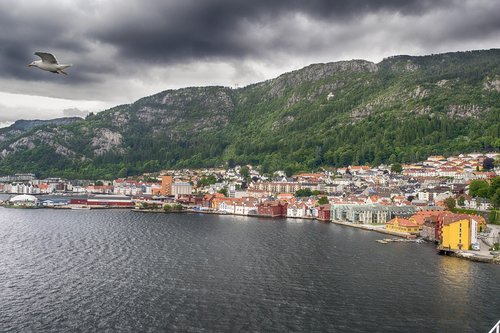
(464, 111)
(317, 72)
(492, 84)
(106, 140)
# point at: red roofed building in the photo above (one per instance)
(324, 212)
(402, 225)
(272, 208)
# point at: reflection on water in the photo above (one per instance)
(122, 271)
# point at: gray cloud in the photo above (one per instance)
(75, 112)
(10, 114)
(122, 50)
(166, 32)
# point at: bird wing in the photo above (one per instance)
(47, 57)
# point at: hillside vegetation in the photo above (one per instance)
(336, 114)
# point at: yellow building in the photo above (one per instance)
(398, 224)
(456, 232)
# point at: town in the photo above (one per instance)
(430, 199)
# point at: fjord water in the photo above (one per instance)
(116, 270)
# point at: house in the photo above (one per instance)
(456, 232)
(477, 203)
(402, 225)
(272, 208)
(248, 206)
(429, 228)
(420, 217)
(298, 209)
(127, 187)
(324, 212)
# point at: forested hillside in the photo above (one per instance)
(353, 112)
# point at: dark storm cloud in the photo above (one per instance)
(169, 32)
(226, 28)
(122, 50)
(26, 30)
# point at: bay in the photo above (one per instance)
(116, 270)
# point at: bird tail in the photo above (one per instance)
(61, 69)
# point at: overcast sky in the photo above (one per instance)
(124, 50)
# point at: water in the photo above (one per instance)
(115, 270)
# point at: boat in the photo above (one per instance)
(381, 241)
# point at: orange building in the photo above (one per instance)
(399, 224)
(166, 185)
(420, 217)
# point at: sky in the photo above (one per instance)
(124, 50)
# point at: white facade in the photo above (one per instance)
(180, 188)
(297, 210)
(473, 231)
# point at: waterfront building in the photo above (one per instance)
(23, 200)
(456, 232)
(324, 212)
(104, 201)
(403, 225)
(369, 214)
(245, 207)
(429, 229)
(297, 209)
(272, 208)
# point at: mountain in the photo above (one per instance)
(350, 112)
(22, 126)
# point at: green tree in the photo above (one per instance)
(479, 188)
(151, 165)
(305, 192)
(450, 203)
(461, 201)
(230, 163)
(494, 186)
(167, 208)
(323, 200)
(396, 168)
(207, 181)
(494, 216)
(223, 191)
(495, 199)
(488, 163)
(245, 172)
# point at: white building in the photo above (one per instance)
(24, 200)
(180, 188)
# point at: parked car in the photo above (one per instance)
(475, 247)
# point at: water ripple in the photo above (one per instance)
(114, 270)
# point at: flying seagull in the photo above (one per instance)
(48, 63)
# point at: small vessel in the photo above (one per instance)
(381, 241)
